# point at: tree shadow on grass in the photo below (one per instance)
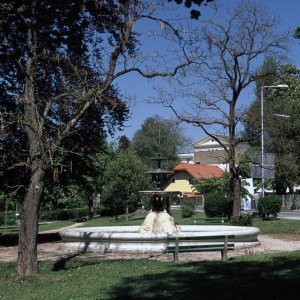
(277, 277)
(61, 263)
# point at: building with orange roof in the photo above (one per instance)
(184, 177)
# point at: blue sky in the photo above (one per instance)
(141, 88)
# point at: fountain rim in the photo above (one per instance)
(127, 239)
(185, 229)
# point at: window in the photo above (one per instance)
(191, 180)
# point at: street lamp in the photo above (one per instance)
(281, 116)
(279, 86)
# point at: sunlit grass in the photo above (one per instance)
(138, 220)
(286, 229)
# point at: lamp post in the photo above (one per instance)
(279, 86)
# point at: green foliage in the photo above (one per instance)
(102, 210)
(64, 197)
(242, 220)
(268, 206)
(282, 134)
(215, 189)
(213, 185)
(7, 201)
(187, 210)
(268, 73)
(217, 205)
(124, 142)
(11, 218)
(64, 214)
(123, 177)
(218, 185)
(297, 33)
(96, 166)
(244, 163)
(159, 135)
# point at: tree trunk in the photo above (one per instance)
(236, 195)
(27, 253)
(234, 185)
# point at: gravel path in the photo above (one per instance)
(52, 251)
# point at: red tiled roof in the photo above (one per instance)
(200, 171)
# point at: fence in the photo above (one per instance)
(290, 201)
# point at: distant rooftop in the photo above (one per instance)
(200, 171)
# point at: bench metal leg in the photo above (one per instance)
(176, 248)
(224, 251)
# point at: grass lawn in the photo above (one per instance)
(265, 276)
(138, 220)
(285, 229)
(260, 276)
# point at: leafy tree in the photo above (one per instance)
(58, 60)
(297, 33)
(97, 164)
(213, 185)
(122, 179)
(268, 74)
(159, 135)
(218, 185)
(124, 142)
(281, 127)
(65, 196)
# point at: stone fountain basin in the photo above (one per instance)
(127, 239)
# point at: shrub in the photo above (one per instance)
(242, 220)
(216, 205)
(102, 210)
(11, 218)
(64, 214)
(268, 206)
(64, 197)
(187, 210)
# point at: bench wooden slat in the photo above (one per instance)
(212, 246)
(199, 238)
(214, 220)
(199, 248)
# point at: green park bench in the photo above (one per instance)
(200, 244)
(215, 220)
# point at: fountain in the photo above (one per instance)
(159, 219)
(158, 230)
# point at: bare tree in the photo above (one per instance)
(226, 50)
(50, 112)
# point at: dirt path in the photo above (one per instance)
(52, 251)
